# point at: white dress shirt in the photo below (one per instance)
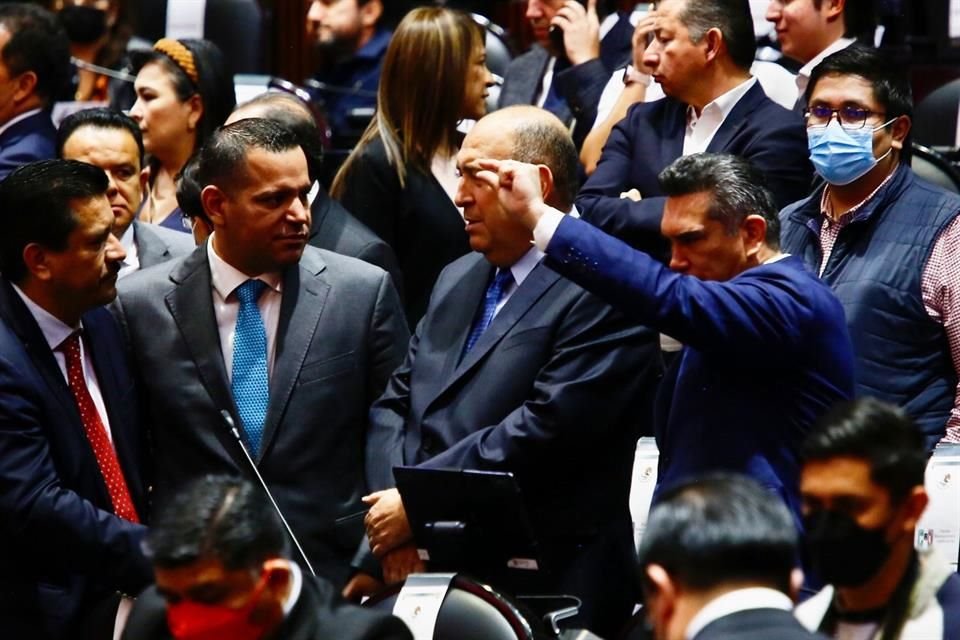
(734, 602)
(225, 279)
(132, 262)
(702, 128)
(520, 270)
(55, 332)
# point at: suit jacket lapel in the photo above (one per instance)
(304, 296)
(152, 250)
(458, 320)
(739, 118)
(675, 127)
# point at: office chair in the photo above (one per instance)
(935, 117)
(934, 167)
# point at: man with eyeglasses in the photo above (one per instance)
(882, 238)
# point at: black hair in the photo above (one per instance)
(732, 18)
(537, 142)
(293, 113)
(223, 159)
(37, 43)
(859, 18)
(188, 190)
(100, 118)
(216, 516)
(717, 529)
(36, 204)
(877, 432)
(738, 189)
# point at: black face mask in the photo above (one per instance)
(83, 24)
(842, 552)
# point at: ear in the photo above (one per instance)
(25, 85)
(796, 584)
(913, 507)
(278, 573)
(714, 41)
(753, 230)
(144, 183)
(195, 111)
(661, 600)
(370, 13)
(546, 181)
(36, 258)
(832, 9)
(214, 202)
(900, 128)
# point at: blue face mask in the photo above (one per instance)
(841, 156)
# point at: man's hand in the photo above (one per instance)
(519, 187)
(360, 585)
(581, 30)
(400, 563)
(386, 522)
(641, 39)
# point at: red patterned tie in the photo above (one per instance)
(96, 433)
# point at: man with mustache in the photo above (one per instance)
(287, 343)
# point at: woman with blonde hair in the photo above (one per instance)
(401, 179)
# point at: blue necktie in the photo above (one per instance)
(554, 102)
(250, 385)
(490, 299)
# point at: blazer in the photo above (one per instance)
(340, 335)
(63, 550)
(334, 228)
(29, 140)
(766, 354)
(650, 138)
(418, 221)
(757, 624)
(156, 244)
(554, 391)
(317, 615)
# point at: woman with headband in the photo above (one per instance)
(184, 92)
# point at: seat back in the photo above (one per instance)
(935, 117)
(933, 167)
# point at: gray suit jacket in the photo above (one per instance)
(156, 245)
(340, 336)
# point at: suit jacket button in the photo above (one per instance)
(428, 444)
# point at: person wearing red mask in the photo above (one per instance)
(222, 573)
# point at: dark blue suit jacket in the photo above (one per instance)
(651, 137)
(767, 352)
(61, 548)
(29, 140)
(554, 391)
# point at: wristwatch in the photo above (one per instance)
(632, 76)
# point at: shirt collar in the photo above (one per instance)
(522, 267)
(127, 239)
(723, 103)
(226, 278)
(803, 76)
(734, 602)
(296, 577)
(54, 330)
(14, 120)
(825, 200)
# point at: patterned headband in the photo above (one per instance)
(177, 52)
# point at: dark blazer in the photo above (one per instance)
(29, 140)
(63, 550)
(341, 334)
(156, 244)
(766, 354)
(317, 615)
(418, 221)
(335, 229)
(650, 138)
(757, 624)
(554, 391)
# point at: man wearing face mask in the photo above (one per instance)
(882, 239)
(222, 573)
(862, 490)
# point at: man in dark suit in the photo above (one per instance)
(288, 343)
(112, 141)
(72, 493)
(717, 563)
(332, 227)
(34, 66)
(554, 390)
(223, 570)
(701, 55)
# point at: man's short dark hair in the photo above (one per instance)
(738, 189)
(859, 18)
(37, 43)
(216, 517)
(36, 204)
(293, 113)
(99, 118)
(718, 529)
(731, 17)
(223, 158)
(188, 191)
(541, 143)
(877, 432)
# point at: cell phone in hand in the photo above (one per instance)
(556, 36)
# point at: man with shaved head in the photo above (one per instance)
(514, 368)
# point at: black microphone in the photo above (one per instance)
(228, 420)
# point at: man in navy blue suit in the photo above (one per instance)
(71, 489)
(34, 66)
(701, 57)
(554, 390)
(766, 344)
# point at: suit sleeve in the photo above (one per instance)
(380, 254)
(49, 519)
(600, 365)
(780, 153)
(748, 315)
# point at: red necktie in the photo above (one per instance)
(96, 433)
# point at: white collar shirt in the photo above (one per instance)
(701, 129)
